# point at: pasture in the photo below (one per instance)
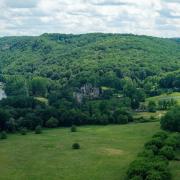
(105, 153)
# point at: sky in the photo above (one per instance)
(145, 17)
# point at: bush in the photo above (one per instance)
(159, 163)
(141, 119)
(122, 119)
(3, 135)
(151, 168)
(152, 106)
(136, 178)
(173, 141)
(38, 130)
(162, 135)
(139, 168)
(73, 128)
(158, 142)
(76, 146)
(23, 131)
(158, 175)
(153, 148)
(171, 120)
(146, 153)
(168, 152)
(11, 125)
(52, 123)
(152, 163)
(152, 119)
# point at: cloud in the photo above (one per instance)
(34, 17)
(108, 3)
(21, 3)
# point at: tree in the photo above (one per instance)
(38, 129)
(4, 117)
(3, 135)
(152, 106)
(73, 128)
(171, 120)
(16, 86)
(23, 131)
(11, 125)
(39, 86)
(103, 107)
(52, 122)
(76, 146)
(168, 152)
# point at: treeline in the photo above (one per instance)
(18, 112)
(153, 162)
(171, 80)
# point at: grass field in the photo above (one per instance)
(175, 96)
(157, 114)
(105, 153)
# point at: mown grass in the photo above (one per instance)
(105, 153)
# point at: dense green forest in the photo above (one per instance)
(59, 80)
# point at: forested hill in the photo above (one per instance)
(97, 59)
(68, 57)
(85, 79)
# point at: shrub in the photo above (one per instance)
(136, 178)
(122, 119)
(11, 125)
(3, 135)
(149, 168)
(152, 119)
(152, 163)
(162, 135)
(168, 152)
(146, 153)
(173, 141)
(141, 119)
(154, 175)
(73, 128)
(76, 146)
(103, 120)
(171, 120)
(158, 142)
(23, 131)
(38, 130)
(152, 106)
(139, 168)
(52, 123)
(159, 163)
(153, 148)
(157, 175)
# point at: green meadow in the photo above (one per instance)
(175, 96)
(105, 152)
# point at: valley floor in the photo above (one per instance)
(105, 153)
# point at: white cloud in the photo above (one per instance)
(34, 17)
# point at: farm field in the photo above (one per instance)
(105, 153)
